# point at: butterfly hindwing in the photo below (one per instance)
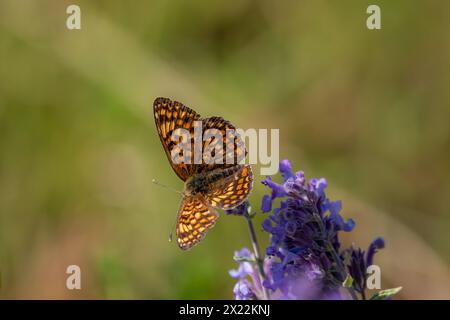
(231, 191)
(195, 218)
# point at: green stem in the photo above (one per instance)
(258, 258)
(341, 269)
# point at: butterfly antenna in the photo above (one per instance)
(166, 187)
(176, 218)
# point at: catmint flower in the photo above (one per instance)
(359, 261)
(243, 290)
(248, 286)
(304, 259)
(304, 232)
(376, 244)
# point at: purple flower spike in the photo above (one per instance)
(304, 233)
(304, 259)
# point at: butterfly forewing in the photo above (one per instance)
(230, 149)
(169, 116)
(195, 218)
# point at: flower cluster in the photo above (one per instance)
(245, 289)
(304, 259)
(358, 263)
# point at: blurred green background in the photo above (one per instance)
(369, 110)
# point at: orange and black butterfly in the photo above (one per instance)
(207, 186)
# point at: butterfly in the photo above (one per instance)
(207, 186)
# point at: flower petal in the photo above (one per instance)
(277, 189)
(286, 169)
(376, 244)
(266, 204)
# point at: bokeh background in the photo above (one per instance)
(368, 110)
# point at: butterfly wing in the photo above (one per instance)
(232, 145)
(231, 191)
(195, 218)
(169, 116)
